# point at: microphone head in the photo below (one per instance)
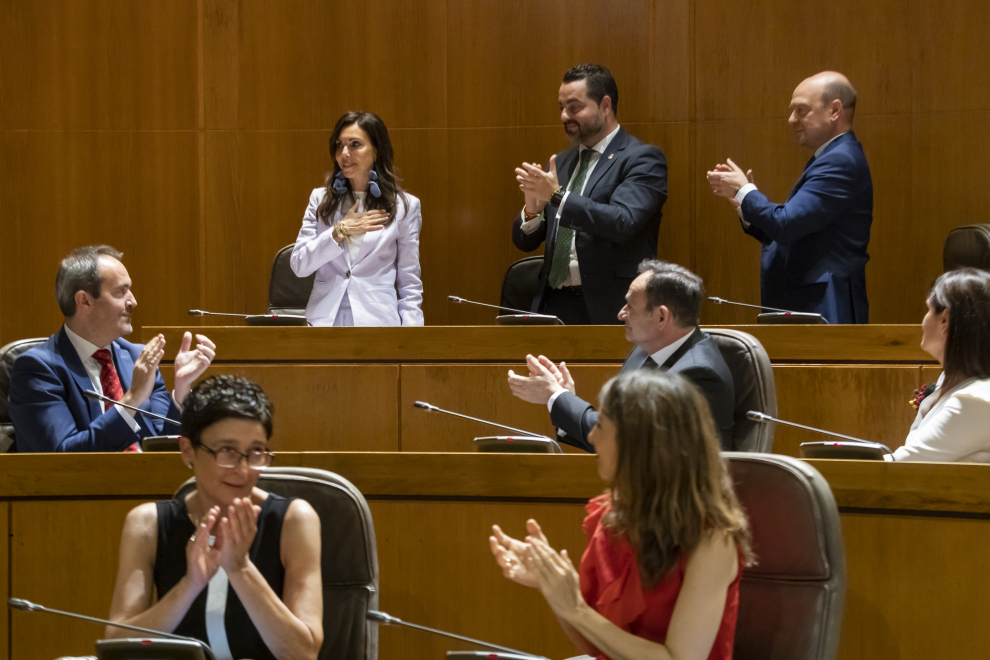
(717, 301)
(422, 404)
(90, 394)
(455, 299)
(380, 617)
(23, 605)
(757, 416)
(196, 312)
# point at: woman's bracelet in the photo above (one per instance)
(344, 236)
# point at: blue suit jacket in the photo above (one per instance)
(814, 246)
(50, 412)
(698, 359)
(616, 222)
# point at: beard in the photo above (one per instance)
(584, 132)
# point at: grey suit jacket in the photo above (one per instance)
(698, 360)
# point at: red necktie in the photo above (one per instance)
(110, 382)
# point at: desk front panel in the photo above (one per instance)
(915, 538)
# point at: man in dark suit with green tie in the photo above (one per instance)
(596, 207)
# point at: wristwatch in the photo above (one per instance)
(557, 196)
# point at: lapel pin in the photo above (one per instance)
(610, 156)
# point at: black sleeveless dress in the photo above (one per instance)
(174, 530)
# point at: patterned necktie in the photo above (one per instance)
(110, 383)
(108, 377)
(560, 266)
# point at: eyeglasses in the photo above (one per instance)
(257, 459)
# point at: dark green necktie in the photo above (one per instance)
(561, 265)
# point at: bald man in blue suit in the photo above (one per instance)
(814, 245)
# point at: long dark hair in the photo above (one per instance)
(388, 180)
(965, 292)
(671, 486)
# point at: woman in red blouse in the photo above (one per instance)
(667, 542)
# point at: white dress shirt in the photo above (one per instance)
(85, 349)
(529, 226)
(659, 357)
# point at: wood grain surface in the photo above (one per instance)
(913, 535)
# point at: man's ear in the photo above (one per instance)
(83, 300)
(606, 104)
(661, 316)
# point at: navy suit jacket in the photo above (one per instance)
(51, 414)
(698, 359)
(814, 246)
(616, 222)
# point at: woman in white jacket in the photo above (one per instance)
(953, 422)
(360, 235)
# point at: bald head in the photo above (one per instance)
(822, 107)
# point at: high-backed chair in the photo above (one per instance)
(350, 556)
(288, 294)
(752, 380)
(791, 601)
(521, 283)
(968, 245)
(8, 354)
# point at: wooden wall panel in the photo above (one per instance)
(98, 64)
(671, 61)
(478, 391)
(4, 577)
(525, 61)
(133, 190)
(412, 536)
(676, 242)
(481, 215)
(337, 407)
(736, 80)
(66, 558)
(303, 64)
(900, 569)
(865, 402)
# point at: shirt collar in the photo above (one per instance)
(818, 152)
(84, 347)
(664, 353)
(600, 147)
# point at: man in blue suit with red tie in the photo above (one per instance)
(814, 245)
(47, 404)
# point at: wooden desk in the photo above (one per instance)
(915, 538)
(352, 389)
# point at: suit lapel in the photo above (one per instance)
(75, 366)
(693, 339)
(635, 360)
(605, 161)
(370, 242)
(125, 366)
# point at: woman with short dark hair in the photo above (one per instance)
(953, 421)
(227, 563)
(360, 234)
(667, 542)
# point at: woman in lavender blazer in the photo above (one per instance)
(360, 235)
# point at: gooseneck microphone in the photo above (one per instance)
(90, 394)
(259, 319)
(764, 419)
(28, 606)
(455, 299)
(432, 408)
(389, 620)
(200, 312)
(818, 318)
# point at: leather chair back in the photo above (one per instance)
(288, 294)
(752, 380)
(520, 284)
(968, 245)
(8, 354)
(349, 556)
(791, 601)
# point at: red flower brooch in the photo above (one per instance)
(921, 394)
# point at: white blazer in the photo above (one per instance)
(387, 258)
(955, 428)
